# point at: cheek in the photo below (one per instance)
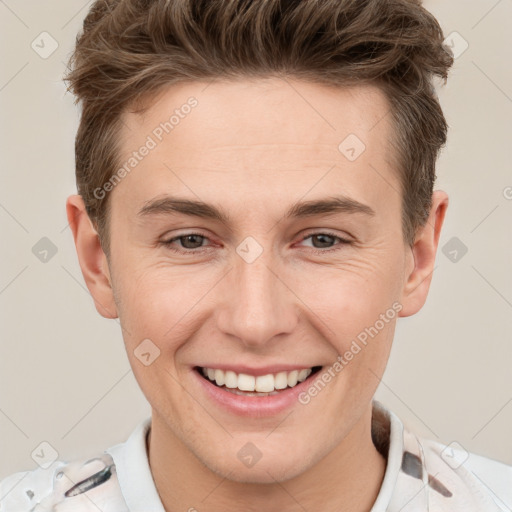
(159, 313)
(352, 295)
(355, 307)
(161, 303)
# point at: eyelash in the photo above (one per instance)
(342, 241)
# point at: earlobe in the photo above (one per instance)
(424, 251)
(92, 259)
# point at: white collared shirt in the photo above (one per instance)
(421, 476)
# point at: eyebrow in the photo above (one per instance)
(328, 206)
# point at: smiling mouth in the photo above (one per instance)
(250, 385)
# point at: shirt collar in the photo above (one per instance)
(388, 437)
(133, 471)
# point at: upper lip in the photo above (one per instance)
(256, 371)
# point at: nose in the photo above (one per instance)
(257, 305)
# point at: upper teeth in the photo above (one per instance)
(262, 383)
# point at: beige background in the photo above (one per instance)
(64, 374)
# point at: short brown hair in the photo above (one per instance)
(131, 49)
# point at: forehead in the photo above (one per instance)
(259, 137)
(259, 109)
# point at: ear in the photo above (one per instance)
(91, 257)
(423, 254)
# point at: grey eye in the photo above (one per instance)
(191, 241)
(323, 240)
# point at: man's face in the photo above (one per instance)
(262, 290)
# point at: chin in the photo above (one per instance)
(263, 475)
(267, 470)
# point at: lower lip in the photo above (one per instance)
(253, 406)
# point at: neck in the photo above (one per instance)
(348, 479)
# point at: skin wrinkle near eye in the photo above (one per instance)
(342, 235)
(337, 241)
